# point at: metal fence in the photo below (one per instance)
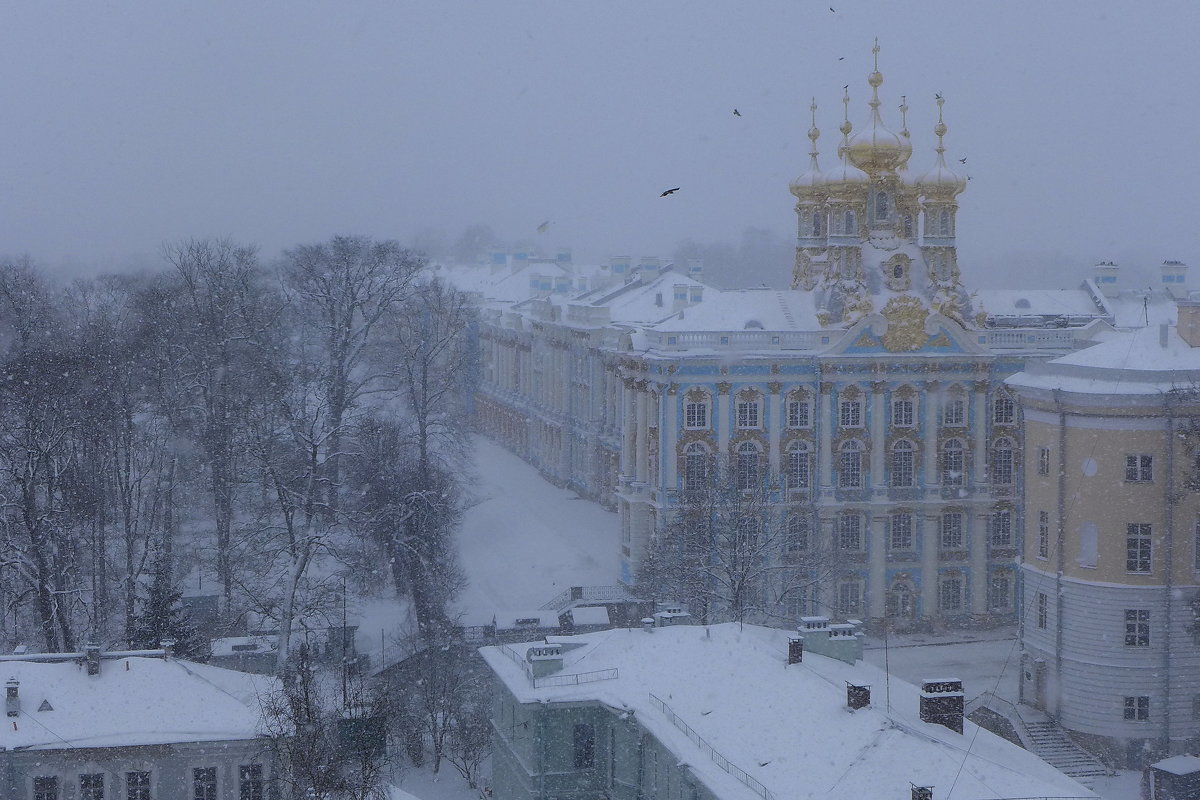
(576, 678)
(706, 748)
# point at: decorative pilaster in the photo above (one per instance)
(979, 549)
(774, 425)
(929, 559)
(878, 439)
(979, 438)
(929, 460)
(877, 565)
(720, 420)
(825, 443)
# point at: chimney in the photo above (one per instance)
(12, 702)
(92, 657)
(857, 696)
(1188, 325)
(922, 792)
(619, 265)
(1105, 276)
(942, 703)
(795, 650)
(1174, 275)
(648, 624)
(696, 269)
(650, 268)
(544, 659)
(679, 297)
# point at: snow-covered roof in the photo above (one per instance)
(1147, 361)
(133, 701)
(786, 728)
(539, 618)
(589, 615)
(1179, 765)
(748, 309)
(1038, 302)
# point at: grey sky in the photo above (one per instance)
(128, 124)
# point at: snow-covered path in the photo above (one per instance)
(524, 541)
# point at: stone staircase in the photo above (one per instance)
(1045, 738)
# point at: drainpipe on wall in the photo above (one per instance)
(1060, 559)
(1168, 581)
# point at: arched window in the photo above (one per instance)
(953, 473)
(695, 466)
(818, 224)
(881, 206)
(799, 461)
(747, 465)
(903, 473)
(798, 532)
(1002, 461)
(849, 222)
(850, 475)
(944, 222)
(900, 601)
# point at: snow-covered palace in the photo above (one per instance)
(871, 393)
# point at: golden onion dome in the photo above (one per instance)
(845, 176)
(941, 181)
(811, 182)
(877, 149)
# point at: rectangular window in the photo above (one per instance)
(91, 786)
(797, 414)
(1043, 461)
(849, 598)
(1003, 411)
(137, 785)
(1043, 543)
(951, 524)
(204, 783)
(747, 414)
(902, 465)
(850, 532)
(902, 413)
(1137, 547)
(950, 594)
(901, 532)
(696, 415)
(585, 746)
(1137, 708)
(1000, 593)
(850, 413)
(1002, 463)
(1043, 610)
(953, 473)
(45, 787)
(250, 782)
(797, 533)
(850, 475)
(1137, 627)
(1139, 468)
(954, 412)
(797, 471)
(1002, 529)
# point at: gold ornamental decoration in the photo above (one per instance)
(905, 316)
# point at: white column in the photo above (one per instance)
(721, 419)
(669, 420)
(979, 435)
(642, 465)
(930, 435)
(877, 563)
(929, 556)
(826, 421)
(979, 548)
(628, 429)
(774, 424)
(878, 439)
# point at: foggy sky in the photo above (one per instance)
(126, 125)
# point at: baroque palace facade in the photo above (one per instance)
(871, 394)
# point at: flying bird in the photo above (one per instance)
(841, 58)
(937, 95)
(545, 226)
(737, 113)
(962, 160)
(669, 191)
(831, 9)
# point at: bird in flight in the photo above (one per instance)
(545, 226)
(962, 160)
(737, 113)
(669, 191)
(831, 9)
(937, 95)
(841, 58)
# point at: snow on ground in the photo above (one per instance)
(524, 540)
(419, 783)
(984, 660)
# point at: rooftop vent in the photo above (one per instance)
(942, 703)
(92, 656)
(922, 792)
(795, 650)
(12, 702)
(857, 696)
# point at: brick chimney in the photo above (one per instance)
(857, 696)
(1104, 274)
(922, 792)
(1174, 275)
(942, 703)
(1188, 324)
(12, 701)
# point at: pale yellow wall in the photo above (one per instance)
(1110, 502)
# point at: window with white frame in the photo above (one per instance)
(900, 531)
(903, 472)
(1002, 462)
(137, 785)
(1004, 411)
(950, 525)
(1137, 708)
(799, 414)
(91, 786)
(1000, 591)
(1043, 461)
(1137, 547)
(1043, 542)
(1139, 468)
(747, 465)
(250, 782)
(695, 414)
(799, 461)
(953, 471)
(45, 787)
(1043, 610)
(747, 414)
(1137, 627)
(850, 475)
(850, 531)
(850, 598)
(695, 466)
(850, 412)
(902, 412)
(954, 410)
(950, 593)
(798, 533)
(1001, 524)
(204, 783)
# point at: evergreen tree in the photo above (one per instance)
(162, 618)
